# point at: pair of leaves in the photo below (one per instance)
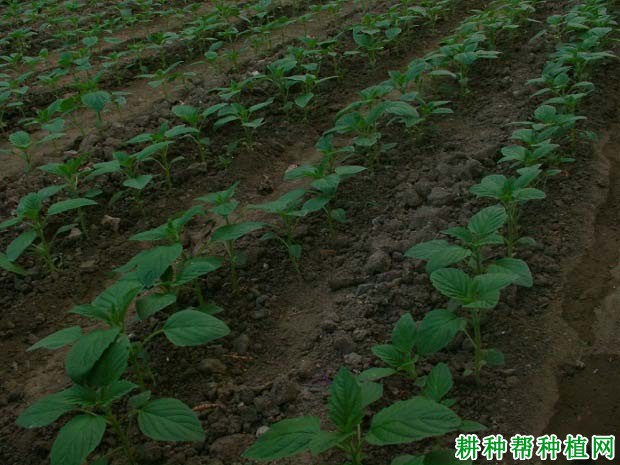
(402, 422)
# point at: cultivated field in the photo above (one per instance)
(306, 231)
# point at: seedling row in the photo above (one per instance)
(114, 389)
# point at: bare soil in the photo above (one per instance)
(291, 333)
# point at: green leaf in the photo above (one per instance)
(438, 382)
(69, 204)
(371, 392)
(488, 220)
(426, 250)
(151, 304)
(10, 223)
(192, 328)
(375, 374)
(58, 339)
(390, 355)
(47, 410)
(468, 426)
(112, 364)
(523, 276)
(116, 390)
(325, 440)
(77, 439)
(233, 232)
(20, 139)
(19, 244)
(411, 420)
(345, 402)
(452, 283)
(494, 357)
(150, 265)
(303, 100)
(96, 101)
(285, 439)
(437, 330)
(447, 256)
(139, 400)
(404, 333)
(139, 182)
(169, 420)
(197, 267)
(87, 351)
(7, 265)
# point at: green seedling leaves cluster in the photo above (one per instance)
(400, 423)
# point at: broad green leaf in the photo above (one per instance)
(112, 364)
(192, 328)
(197, 267)
(139, 400)
(96, 101)
(77, 439)
(19, 244)
(349, 170)
(494, 357)
(20, 139)
(116, 390)
(446, 257)
(87, 351)
(411, 420)
(285, 439)
(488, 220)
(404, 333)
(325, 440)
(371, 392)
(139, 182)
(437, 330)
(233, 232)
(116, 299)
(375, 374)
(8, 265)
(426, 250)
(316, 203)
(438, 382)
(151, 264)
(58, 339)
(47, 410)
(10, 223)
(468, 426)
(169, 420)
(452, 283)
(69, 204)
(151, 304)
(523, 276)
(390, 355)
(345, 402)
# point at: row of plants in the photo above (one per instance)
(40, 25)
(76, 73)
(156, 148)
(414, 342)
(477, 262)
(154, 281)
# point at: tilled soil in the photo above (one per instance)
(291, 333)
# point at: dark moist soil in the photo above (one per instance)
(290, 335)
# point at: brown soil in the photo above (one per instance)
(290, 334)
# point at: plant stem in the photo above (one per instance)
(122, 434)
(234, 281)
(475, 322)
